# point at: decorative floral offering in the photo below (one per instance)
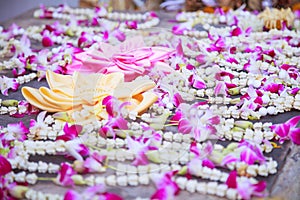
(185, 109)
(131, 57)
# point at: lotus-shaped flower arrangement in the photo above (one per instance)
(68, 93)
(131, 57)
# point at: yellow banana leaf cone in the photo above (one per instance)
(68, 93)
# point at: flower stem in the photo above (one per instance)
(46, 179)
(167, 125)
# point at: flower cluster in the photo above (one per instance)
(122, 111)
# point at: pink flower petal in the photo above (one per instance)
(231, 180)
(295, 136)
(281, 130)
(236, 32)
(47, 41)
(228, 159)
(72, 195)
(65, 174)
(208, 163)
(131, 24)
(177, 99)
(293, 121)
(194, 149)
(5, 166)
(184, 126)
(111, 196)
(249, 156)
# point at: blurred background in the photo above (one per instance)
(13, 8)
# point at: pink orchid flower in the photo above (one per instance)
(56, 28)
(8, 83)
(46, 13)
(29, 110)
(70, 132)
(253, 99)
(23, 48)
(247, 152)
(131, 24)
(37, 126)
(199, 123)
(219, 45)
(64, 176)
(114, 109)
(100, 11)
(46, 39)
(85, 40)
(5, 166)
(20, 69)
(167, 188)
(131, 57)
(178, 59)
(16, 131)
(274, 88)
(294, 91)
(289, 71)
(94, 163)
(11, 31)
(139, 148)
(200, 160)
(180, 28)
(288, 130)
(245, 188)
(236, 31)
(74, 145)
(197, 82)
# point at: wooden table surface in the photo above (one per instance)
(284, 185)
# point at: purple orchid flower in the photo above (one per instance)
(247, 152)
(85, 40)
(219, 45)
(70, 132)
(5, 166)
(131, 24)
(199, 123)
(139, 148)
(180, 28)
(29, 110)
(114, 109)
(274, 88)
(289, 71)
(47, 14)
(197, 82)
(94, 163)
(236, 31)
(244, 187)
(167, 188)
(46, 39)
(16, 131)
(64, 176)
(11, 31)
(8, 83)
(200, 158)
(288, 130)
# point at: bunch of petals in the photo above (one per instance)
(131, 57)
(200, 123)
(246, 152)
(245, 188)
(288, 130)
(68, 93)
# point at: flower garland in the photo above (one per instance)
(206, 90)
